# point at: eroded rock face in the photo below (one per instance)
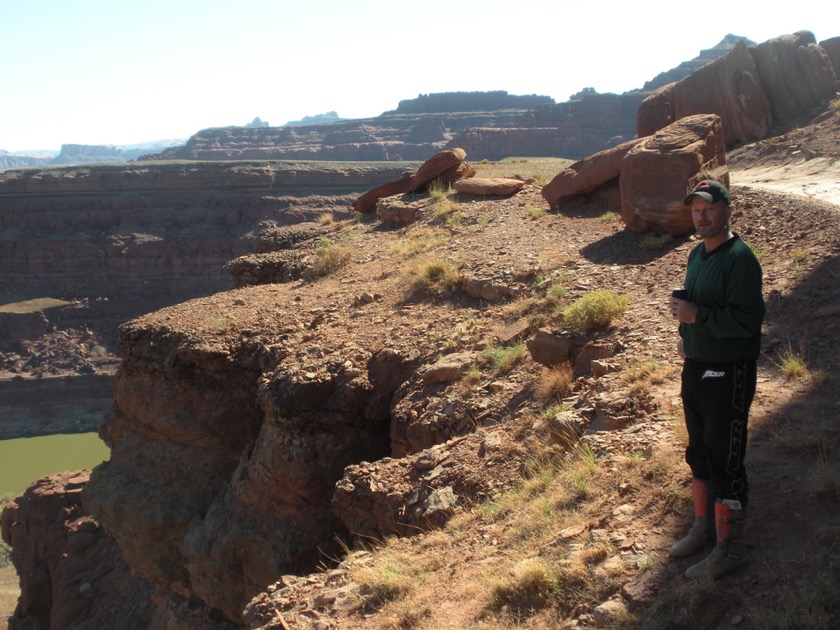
(274, 517)
(730, 87)
(417, 493)
(797, 75)
(138, 237)
(67, 562)
(223, 479)
(184, 412)
(753, 89)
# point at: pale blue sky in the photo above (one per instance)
(124, 72)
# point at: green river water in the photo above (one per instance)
(23, 460)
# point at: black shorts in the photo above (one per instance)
(716, 400)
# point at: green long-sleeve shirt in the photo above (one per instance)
(725, 284)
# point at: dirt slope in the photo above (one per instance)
(786, 194)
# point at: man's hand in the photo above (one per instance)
(680, 350)
(683, 310)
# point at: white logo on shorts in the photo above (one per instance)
(713, 374)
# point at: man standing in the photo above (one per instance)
(720, 338)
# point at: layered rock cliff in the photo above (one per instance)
(152, 234)
(85, 248)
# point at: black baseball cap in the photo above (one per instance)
(709, 190)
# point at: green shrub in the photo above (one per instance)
(595, 310)
(534, 212)
(505, 358)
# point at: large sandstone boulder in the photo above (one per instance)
(445, 167)
(658, 173)
(488, 186)
(367, 202)
(796, 73)
(587, 175)
(729, 87)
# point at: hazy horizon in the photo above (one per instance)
(98, 73)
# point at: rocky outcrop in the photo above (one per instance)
(488, 125)
(444, 168)
(223, 458)
(729, 87)
(85, 248)
(92, 154)
(753, 89)
(148, 235)
(648, 178)
(469, 102)
(832, 49)
(589, 122)
(392, 137)
(797, 75)
(11, 160)
(66, 562)
(58, 404)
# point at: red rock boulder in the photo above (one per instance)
(367, 202)
(658, 173)
(445, 167)
(488, 186)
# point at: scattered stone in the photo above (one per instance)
(609, 613)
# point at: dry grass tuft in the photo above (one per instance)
(427, 278)
(554, 383)
(389, 576)
(641, 376)
(418, 240)
(329, 258)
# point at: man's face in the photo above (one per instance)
(710, 219)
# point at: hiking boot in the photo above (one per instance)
(730, 553)
(702, 527)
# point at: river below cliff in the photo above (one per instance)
(23, 460)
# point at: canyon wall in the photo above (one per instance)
(83, 249)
